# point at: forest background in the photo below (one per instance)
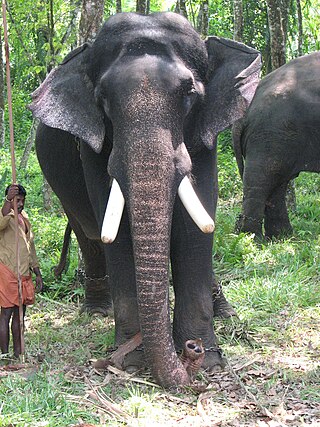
(273, 347)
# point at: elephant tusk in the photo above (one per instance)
(194, 207)
(113, 214)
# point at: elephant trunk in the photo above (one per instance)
(152, 190)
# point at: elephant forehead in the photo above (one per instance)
(165, 33)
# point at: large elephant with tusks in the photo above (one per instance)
(127, 141)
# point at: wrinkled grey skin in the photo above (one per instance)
(277, 139)
(144, 105)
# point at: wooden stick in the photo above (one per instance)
(14, 177)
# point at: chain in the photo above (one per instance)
(214, 349)
(217, 293)
(250, 218)
(82, 272)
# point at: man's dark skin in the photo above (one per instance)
(7, 313)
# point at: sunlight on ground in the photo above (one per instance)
(296, 363)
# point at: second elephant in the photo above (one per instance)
(277, 139)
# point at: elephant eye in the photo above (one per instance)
(189, 93)
(187, 88)
(192, 91)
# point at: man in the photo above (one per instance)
(9, 296)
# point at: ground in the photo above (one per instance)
(272, 376)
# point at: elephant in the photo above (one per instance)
(127, 140)
(278, 137)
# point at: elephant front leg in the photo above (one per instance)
(122, 281)
(277, 221)
(257, 185)
(191, 263)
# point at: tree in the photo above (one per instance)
(238, 20)
(277, 36)
(300, 28)
(118, 6)
(181, 8)
(141, 7)
(203, 18)
(91, 19)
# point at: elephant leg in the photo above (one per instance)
(277, 221)
(256, 189)
(191, 264)
(97, 292)
(121, 269)
(192, 274)
(221, 306)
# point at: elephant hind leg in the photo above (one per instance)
(221, 307)
(277, 221)
(97, 292)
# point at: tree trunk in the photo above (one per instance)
(118, 6)
(29, 144)
(284, 8)
(141, 7)
(238, 20)
(50, 18)
(91, 20)
(2, 128)
(277, 36)
(203, 18)
(300, 28)
(181, 8)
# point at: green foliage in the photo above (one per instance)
(229, 178)
(221, 18)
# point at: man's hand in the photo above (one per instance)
(12, 192)
(39, 281)
(39, 284)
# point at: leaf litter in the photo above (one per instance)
(272, 385)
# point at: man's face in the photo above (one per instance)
(20, 202)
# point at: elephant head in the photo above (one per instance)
(152, 91)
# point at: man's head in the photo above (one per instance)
(20, 197)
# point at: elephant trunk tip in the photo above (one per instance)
(192, 356)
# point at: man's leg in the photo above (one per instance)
(15, 329)
(5, 316)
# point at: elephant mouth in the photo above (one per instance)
(188, 197)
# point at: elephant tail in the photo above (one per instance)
(62, 266)
(237, 146)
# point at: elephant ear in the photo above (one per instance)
(233, 77)
(65, 100)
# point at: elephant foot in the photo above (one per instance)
(134, 361)
(213, 361)
(278, 232)
(221, 307)
(104, 310)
